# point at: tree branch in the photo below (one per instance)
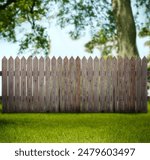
(5, 5)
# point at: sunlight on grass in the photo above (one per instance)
(94, 127)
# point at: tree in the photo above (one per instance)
(112, 22)
(20, 21)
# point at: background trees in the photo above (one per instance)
(112, 23)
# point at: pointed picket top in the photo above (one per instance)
(23, 58)
(11, 58)
(96, 59)
(17, 58)
(77, 58)
(29, 59)
(108, 60)
(41, 58)
(53, 60)
(102, 59)
(47, 59)
(59, 60)
(65, 59)
(71, 60)
(84, 59)
(144, 59)
(4, 59)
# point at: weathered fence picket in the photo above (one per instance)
(74, 85)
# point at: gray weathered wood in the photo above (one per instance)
(126, 84)
(132, 85)
(90, 85)
(11, 86)
(4, 84)
(84, 85)
(138, 85)
(102, 84)
(17, 84)
(78, 78)
(41, 85)
(66, 82)
(47, 86)
(96, 85)
(29, 85)
(120, 84)
(72, 84)
(144, 85)
(23, 85)
(109, 107)
(55, 94)
(60, 84)
(114, 83)
(35, 85)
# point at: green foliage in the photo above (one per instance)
(18, 13)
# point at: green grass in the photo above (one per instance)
(94, 127)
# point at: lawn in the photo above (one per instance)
(95, 127)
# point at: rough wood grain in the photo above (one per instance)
(144, 85)
(11, 85)
(78, 78)
(96, 85)
(102, 85)
(4, 84)
(66, 81)
(126, 85)
(120, 84)
(84, 85)
(47, 86)
(138, 85)
(23, 85)
(114, 83)
(108, 85)
(55, 94)
(41, 85)
(60, 84)
(132, 85)
(17, 85)
(90, 85)
(35, 85)
(72, 84)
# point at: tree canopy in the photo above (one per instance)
(112, 23)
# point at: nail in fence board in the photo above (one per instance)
(17, 85)
(4, 84)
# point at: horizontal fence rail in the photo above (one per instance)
(74, 85)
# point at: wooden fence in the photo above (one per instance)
(74, 85)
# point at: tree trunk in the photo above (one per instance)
(126, 29)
